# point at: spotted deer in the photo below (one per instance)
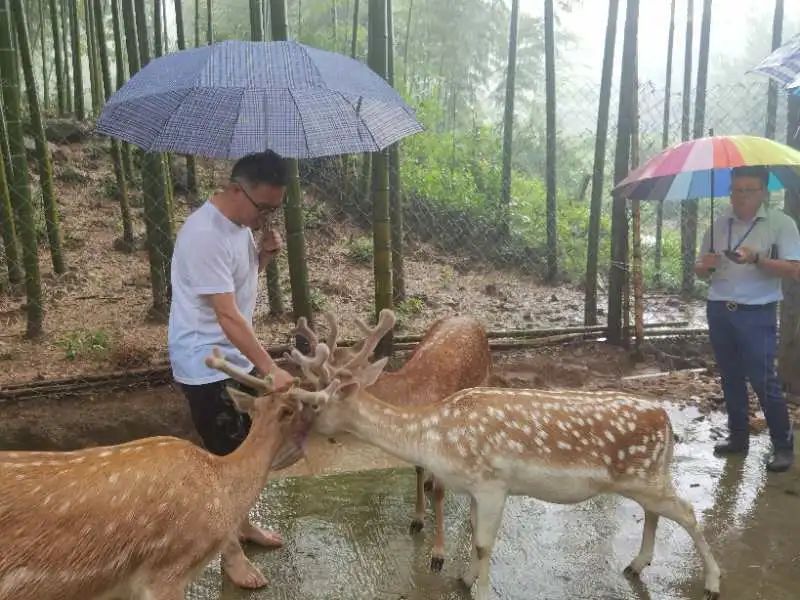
(453, 355)
(560, 446)
(137, 520)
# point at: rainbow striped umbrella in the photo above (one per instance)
(701, 168)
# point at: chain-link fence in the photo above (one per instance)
(463, 250)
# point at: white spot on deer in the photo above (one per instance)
(113, 478)
(610, 436)
(631, 426)
(461, 450)
(526, 429)
(564, 445)
(110, 528)
(621, 454)
(433, 436)
(105, 453)
(47, 499)
(607, 459)
(19, 476)
(64, 508)
(77, 461)
(630, 471)
(473, 415)
(446, 412)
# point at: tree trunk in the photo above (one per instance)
(49, 205)
(688, 224)
(293, 205)
(664, 144)
(354, 38)
(504, 210)
(60, 90)
(789, 354)
(405, 47)
(20, 192)
(334, 19)
(381, 230)
(274, 292)
(91, 49)
(256, 32)
(395, 194)
(636, 226)
(77, 72)
(690, 213)
(158, 40)
(45, 58)
(65, 47)
(550, 162)
(209, 24)
(772, 94)
(125, 148)
(619, 223)
(116, 153)
(590, 303)
(196, 23)
(156, 214)
(7, 229)
(191, 164)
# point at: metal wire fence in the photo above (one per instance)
(460, 254)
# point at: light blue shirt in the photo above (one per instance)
(750, 284)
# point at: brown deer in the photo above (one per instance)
(453, 355)
(561, 446)
(137, 520)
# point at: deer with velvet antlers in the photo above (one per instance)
(453, 355)
(139, 520)
(561, 446)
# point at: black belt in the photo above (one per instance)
(735, 306)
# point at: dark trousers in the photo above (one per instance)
(220, 425)
(744, 339)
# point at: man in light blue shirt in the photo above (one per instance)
(753, 249)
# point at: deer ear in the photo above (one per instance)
(243, 402)
(370, 374)
(347, 389)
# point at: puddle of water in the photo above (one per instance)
(347, 537)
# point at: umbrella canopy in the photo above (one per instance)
(701, 168)
(234, 98)
(783, 65)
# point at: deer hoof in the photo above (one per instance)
(437, 562)
(631, 572)
(709, 595)
(416, 526)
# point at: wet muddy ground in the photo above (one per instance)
(345, 510)
(347, 537)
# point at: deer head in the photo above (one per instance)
(296, 399)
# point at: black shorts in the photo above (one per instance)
(220, 425)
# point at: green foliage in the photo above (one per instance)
(85, 344)
(413, 305)
(360, 249)
(69, 174)
(318, 300)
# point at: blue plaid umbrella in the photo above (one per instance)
(234, 98)
(783, 65)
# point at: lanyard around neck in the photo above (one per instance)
(744, 237)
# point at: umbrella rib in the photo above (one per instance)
(302, 125)
(233, 129)
(356, 113)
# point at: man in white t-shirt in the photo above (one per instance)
(215, 268)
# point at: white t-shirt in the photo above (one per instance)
(213, 255)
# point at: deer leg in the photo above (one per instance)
(488, 516)
(679, 510)
(238, 567)
(419, 511)
(645, 555)
(437, 555)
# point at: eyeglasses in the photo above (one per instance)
(746, 191)
(262, 209)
